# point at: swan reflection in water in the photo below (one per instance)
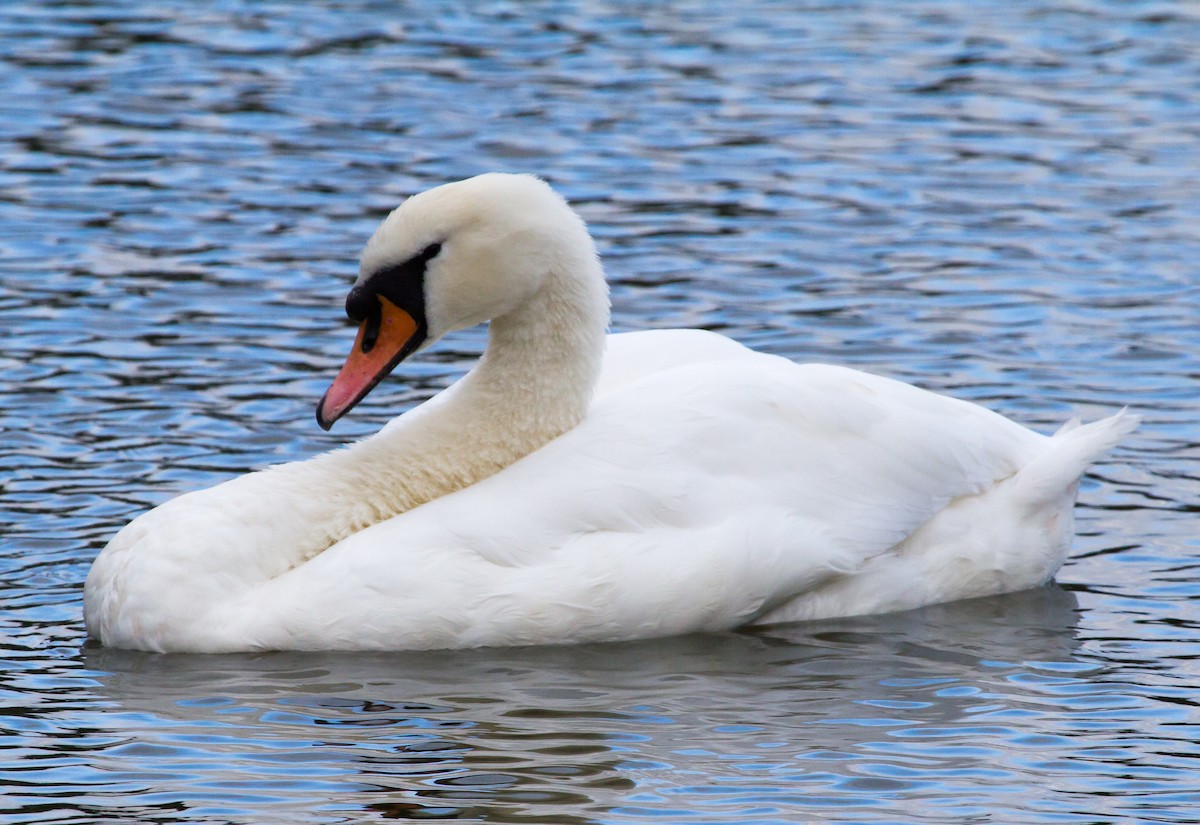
(569, 732)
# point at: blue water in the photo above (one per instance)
(991, 199)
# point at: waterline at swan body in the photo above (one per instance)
(577, 486)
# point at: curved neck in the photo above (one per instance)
(533, 383)
(536, 377)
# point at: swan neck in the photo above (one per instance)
(533, 383)
(543, 359)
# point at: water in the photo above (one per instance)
(990, 199)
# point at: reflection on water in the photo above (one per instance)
(989, 199)
(843, 710)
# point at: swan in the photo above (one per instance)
(578, 486)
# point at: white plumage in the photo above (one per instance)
(578, 487)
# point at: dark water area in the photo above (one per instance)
(998, 201)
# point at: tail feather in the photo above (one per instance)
(1074, 447)
(1073, 424)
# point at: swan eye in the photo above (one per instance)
(403, 284)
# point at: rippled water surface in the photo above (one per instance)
(997, 200)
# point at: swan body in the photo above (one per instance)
(582, 487)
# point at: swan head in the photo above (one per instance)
(447, 259)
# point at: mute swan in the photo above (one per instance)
(582, 487)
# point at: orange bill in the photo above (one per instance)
(379, 346)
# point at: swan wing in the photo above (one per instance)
(694, 496)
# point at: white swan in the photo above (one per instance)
(578, 487)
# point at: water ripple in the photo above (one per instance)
(992, 200)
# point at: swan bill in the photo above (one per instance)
(384, 339)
